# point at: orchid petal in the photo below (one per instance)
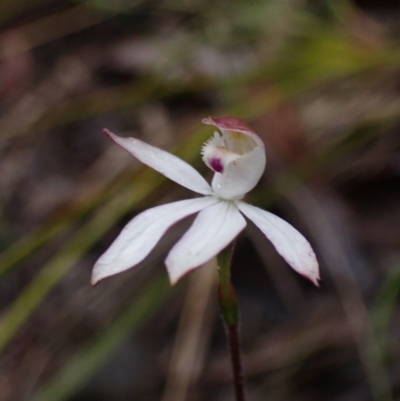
(228, 124)
(214, 228)
(141, 235)
(288, 242)
(165, 163)
(241, 175)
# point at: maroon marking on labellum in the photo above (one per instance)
(216, 165)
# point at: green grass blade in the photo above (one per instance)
(57, 267)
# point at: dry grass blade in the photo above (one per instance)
(193, 335)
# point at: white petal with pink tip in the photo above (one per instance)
(288, 242)
(165, 163)
(214, 228)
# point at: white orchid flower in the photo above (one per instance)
(237, 157)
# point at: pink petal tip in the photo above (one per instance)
(107, 132)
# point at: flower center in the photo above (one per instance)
(219, 151)
(238, 142)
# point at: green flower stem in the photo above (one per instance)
(230, 314)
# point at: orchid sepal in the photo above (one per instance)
(164, 162)
(214, 228)
(288, 242)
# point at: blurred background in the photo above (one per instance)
(318, 80)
